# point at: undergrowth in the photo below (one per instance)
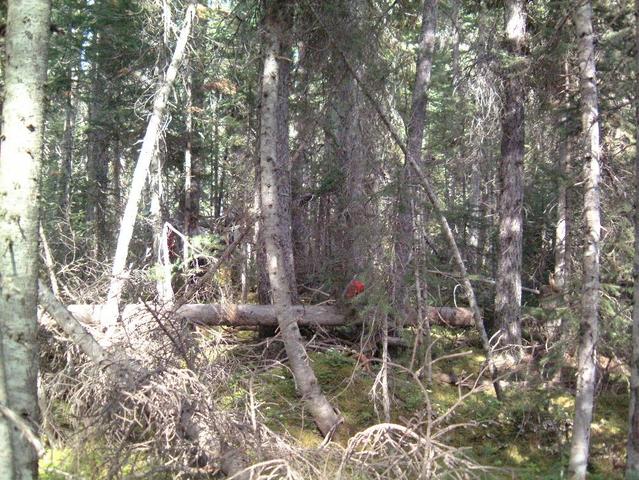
(526, 437)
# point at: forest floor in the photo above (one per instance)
(525, 437)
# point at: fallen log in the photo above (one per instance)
(238, 315)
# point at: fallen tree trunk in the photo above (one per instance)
(264, 315)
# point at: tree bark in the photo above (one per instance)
(26, 39)
(240, 315)
(283, 151)
(511, 191)
(68, 145)
(347, 153)
(474, 256)
(590, 293)
(415, 137)
(188, 159)
(560, 272)
(72, 327)
(97, 156)
(118, 273)
(275, 237)
(632, 463)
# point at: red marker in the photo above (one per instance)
(354, 288)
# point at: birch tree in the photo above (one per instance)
(27, 36)
(589, 333)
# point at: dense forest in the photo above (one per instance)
(319, 239)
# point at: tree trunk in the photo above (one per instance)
(97, 157)
(283, 154)
(347, 153)
(511, 191)
(590, 294)
(26, 39)
(560, 273)
(558, 278)
(188, 159)
(68, 146)
(305, 123)
(239, 315)
(192, 163)
(275, 238)
(415, 136)
(118, 273)
(632, 463)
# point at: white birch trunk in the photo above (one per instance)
(118, 273)
(20, 155)
(584, 400)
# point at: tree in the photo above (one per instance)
(274, 225)
(146, 155)
(348, 149)
(632, 463)
(589, 328)
(414, 140)
(511, 188)
(20, 155)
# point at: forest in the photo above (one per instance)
(319, 239)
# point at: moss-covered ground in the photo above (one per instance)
(526, 437)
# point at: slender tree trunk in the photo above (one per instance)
(160, 232)
(474, 205)
(118, 273)
(511, 188)
(117, 175)
(216, 193)
(188, 158)
(347, 154)
(632, 464)
(6, 445)
(273, 224)
(415, 138)
(68, 146)
(590, 294)
(284, 155)
(26, 40)
(299, 207)
(97, 158)
(560, 272)
(192, 162)
(559, 276)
